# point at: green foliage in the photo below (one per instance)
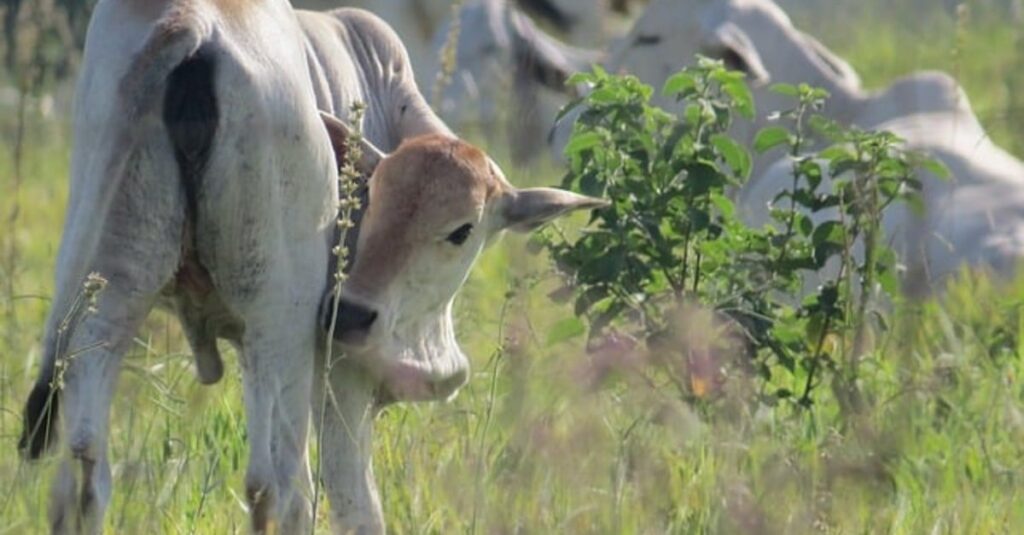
(672, 235)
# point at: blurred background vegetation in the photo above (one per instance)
(548, 438)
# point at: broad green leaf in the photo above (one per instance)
(770, 137)
(564, 330)
(740, 93)
(692, 113)
(804, 224)
(784, 89)
(678, 83)
(818, 93)
(568, 108)
(724, 204)
(702, 178)
(825, 126)
(582, 141)
(936, 167)
(827, 239)
(837, 152)
(604, 95)
(734, 153)
(580, 78)
(810, 170)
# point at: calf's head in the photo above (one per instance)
(434, 203)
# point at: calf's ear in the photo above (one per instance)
(543, 59)
(526, 209)
(341, 135)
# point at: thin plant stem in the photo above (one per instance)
(348, 203)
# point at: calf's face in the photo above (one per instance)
(433, 205)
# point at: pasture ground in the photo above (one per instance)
(546, 440)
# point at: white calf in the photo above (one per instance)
(201, 178)
(435, 202)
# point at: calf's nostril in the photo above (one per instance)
(353, 320)
(366, 320)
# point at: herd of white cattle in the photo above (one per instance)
(204, 179)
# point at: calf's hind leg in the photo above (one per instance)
(277, 357)
(91, 363)
(90, 369)
(137, 253)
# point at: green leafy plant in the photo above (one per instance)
(797, 297)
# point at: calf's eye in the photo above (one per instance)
(460, 235)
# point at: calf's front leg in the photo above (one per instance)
(346, 446)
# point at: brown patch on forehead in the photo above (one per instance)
(233, 7)
(432, 180)
(418, 194)
(177, 8)
(434, 167)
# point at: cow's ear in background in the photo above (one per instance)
(831, 65)
(542, 58)
(340, 134)
(526, 209)
(731, 44)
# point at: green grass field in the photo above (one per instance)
(546, 439)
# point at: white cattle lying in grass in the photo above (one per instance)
(203, 179)
(972, 218)
(976, 217)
